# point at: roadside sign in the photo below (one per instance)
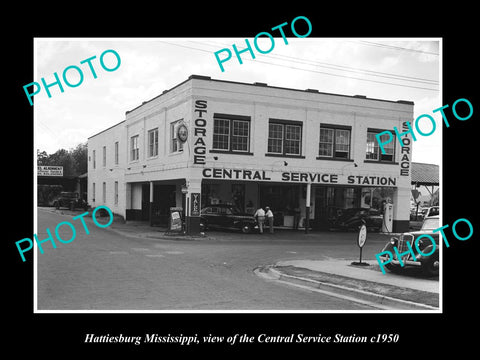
(362, 236)
(361, 240)
(175, 219)
(44, 170)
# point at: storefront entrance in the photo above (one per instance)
(284, 200)
(164, 197)
(330, 201)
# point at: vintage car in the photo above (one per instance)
(223, 216)
(353, 218)
(70, 200)
(429, 264)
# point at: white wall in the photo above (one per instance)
(109, 173)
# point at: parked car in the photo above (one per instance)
(352, 219)
(430, 264)
(431, 211)
(70, 200)
(223, 216)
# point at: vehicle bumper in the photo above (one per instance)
(405, 262)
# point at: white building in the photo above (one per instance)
(251, 145)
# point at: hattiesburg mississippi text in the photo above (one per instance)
(237, 338)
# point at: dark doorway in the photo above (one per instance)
(164, 197)
(282, 199)
(145, 202)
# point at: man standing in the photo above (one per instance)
(260, 216)
(269, 215)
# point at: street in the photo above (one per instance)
(106, 270)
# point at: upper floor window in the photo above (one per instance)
(134, 148)
(334, 142)
(116, 153)
(153, 143)
(284, 138)
(94, 159)
(374, 153)
(104, 158)
(231, 133)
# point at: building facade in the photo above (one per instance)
(303, 153)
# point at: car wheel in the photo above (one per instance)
(431, 265)
(247, 228)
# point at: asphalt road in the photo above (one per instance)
(106, 270)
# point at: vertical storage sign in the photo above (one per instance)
(405, 153)
(199, 132)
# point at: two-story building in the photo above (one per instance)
(303, 153)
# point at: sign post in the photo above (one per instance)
(362, 238)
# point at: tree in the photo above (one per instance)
(80, 157)
(41, 157)
(74, 161)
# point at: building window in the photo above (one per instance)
(221, 134)
(104, 157)
(374, 153)
(116, 153)
(115, 200)
(104, 194)
(134, 149)
(94, 160)
(231, 133)
(153, 142)
(175, 144)
(93, 192)
(275, 138)
(334, 142)
(284, 138)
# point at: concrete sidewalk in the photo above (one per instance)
(364, 284)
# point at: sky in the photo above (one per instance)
(381, 68)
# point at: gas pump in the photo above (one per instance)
(387, 216)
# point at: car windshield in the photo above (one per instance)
(430, 224)
(235, 210)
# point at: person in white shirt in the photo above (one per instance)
(269, 215)
(260, 216)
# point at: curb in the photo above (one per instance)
(372, 299)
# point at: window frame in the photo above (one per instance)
(284, 124)
(104, 156)
(116, 147)
(134, 151)
(231, 119)
(152, 146)
(379, 159)
(334, 128)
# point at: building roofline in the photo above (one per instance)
(106, 129)
(260, 84)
